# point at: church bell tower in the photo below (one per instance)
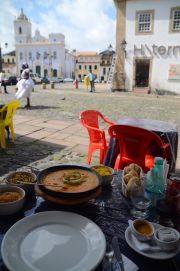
(22, 29)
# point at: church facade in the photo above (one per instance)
(45, 56)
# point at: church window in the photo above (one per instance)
(20, 30)
(21, 56)
(54, 55)
(30, 55)
(38, 55)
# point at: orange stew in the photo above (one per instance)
(85, 180)
(9, 196)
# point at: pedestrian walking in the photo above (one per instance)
(86, 82)
(75, 83)
(91, 78)
(25, 85)
(2, 81)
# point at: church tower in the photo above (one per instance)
(22, 29)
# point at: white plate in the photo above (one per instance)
(53, 240)
(161, 255)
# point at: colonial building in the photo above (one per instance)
(148, 45)
(99, 63)
(47, 57)
(9, 63)
(105, 64)
(85, 61)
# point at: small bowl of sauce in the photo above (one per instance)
(142, 229)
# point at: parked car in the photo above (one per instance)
(36, 78)
(54, 79)
(12, 80)
(96, 80)
(45, 80)
(68, 80)
(61, 79)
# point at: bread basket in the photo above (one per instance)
(128, 180)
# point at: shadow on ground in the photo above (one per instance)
(40, 107)
(26, 154)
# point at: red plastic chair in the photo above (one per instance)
(97, 138)
(137, 145)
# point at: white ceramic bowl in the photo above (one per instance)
(29, 189)
(106, 179)
(12, 207)
(142, 229)
(167, 238)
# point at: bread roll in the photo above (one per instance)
(130, 185)
(126, 170)
(136, 168)
(127, 177)
(134, 173)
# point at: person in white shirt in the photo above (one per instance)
(25, 85)
(2, 82)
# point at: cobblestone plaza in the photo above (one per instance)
(50, 133)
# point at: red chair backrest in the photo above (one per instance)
(89, 118)
(134, 143)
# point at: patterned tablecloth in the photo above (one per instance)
(111, 211)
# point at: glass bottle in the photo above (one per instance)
(155, 184)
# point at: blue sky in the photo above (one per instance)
(86, 24)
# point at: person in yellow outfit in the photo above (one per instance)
(86, 82)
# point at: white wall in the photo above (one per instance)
(160, 36)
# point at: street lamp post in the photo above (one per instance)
(5, 46)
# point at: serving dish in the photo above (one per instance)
(167, 239)
(131, 174)
(22, 179)
(14, 196)
(152, 254)
(53, 240)
(106, 173)
(80, 185)
(142, 229)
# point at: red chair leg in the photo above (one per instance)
(101, 157)
(90, 151)
(117, 163)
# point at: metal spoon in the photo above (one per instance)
(40, 184)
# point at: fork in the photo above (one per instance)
(109, 254)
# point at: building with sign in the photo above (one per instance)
(148, 45)
(45, 56)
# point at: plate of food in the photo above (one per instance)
(68, 181)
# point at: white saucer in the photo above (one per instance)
(53, 240)
(161, 255)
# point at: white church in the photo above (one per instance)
(46, 57)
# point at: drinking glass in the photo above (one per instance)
(139, 200)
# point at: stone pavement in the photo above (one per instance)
(42, 142)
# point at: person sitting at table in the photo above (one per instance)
(25, 85)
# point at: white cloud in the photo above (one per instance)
(85, 24)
